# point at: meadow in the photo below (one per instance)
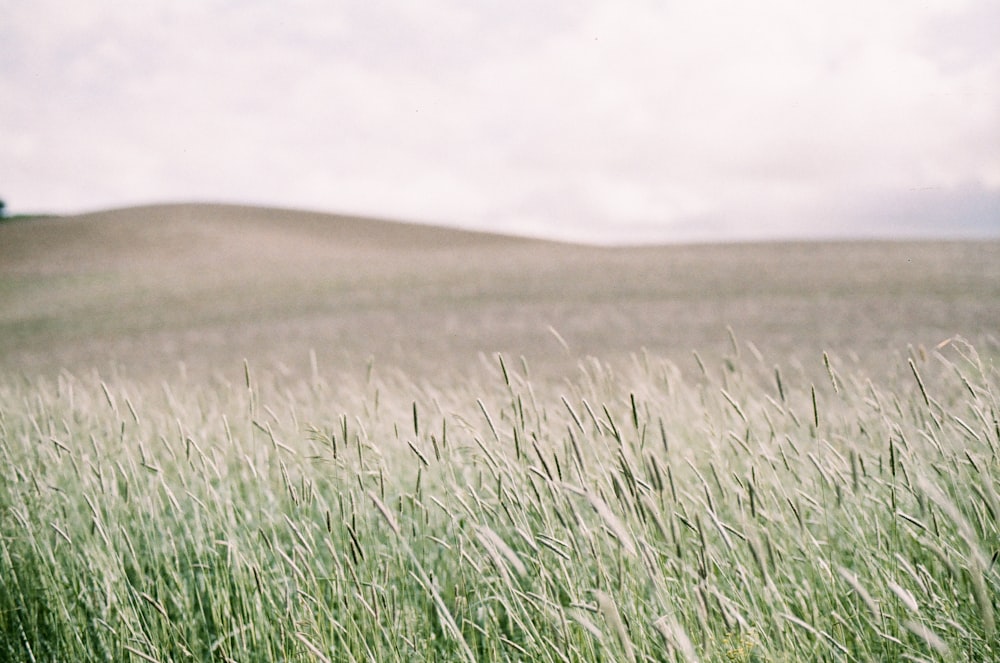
(139, 292)
(414, 444)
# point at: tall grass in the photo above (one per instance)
(743, 513)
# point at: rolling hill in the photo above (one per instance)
(144, 289)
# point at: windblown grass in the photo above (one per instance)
(740, 514)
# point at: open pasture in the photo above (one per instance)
(143, 290)
(198, 460)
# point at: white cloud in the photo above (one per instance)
(600, 120)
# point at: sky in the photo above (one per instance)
(618, 121)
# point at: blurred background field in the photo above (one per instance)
(151, 291)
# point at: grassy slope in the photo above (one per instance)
(145, 288)
(643, 513)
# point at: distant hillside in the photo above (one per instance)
(143, 289)
(164, 236)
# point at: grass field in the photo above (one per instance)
(141, 290)
(819, 485)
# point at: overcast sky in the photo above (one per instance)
(612, 121)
